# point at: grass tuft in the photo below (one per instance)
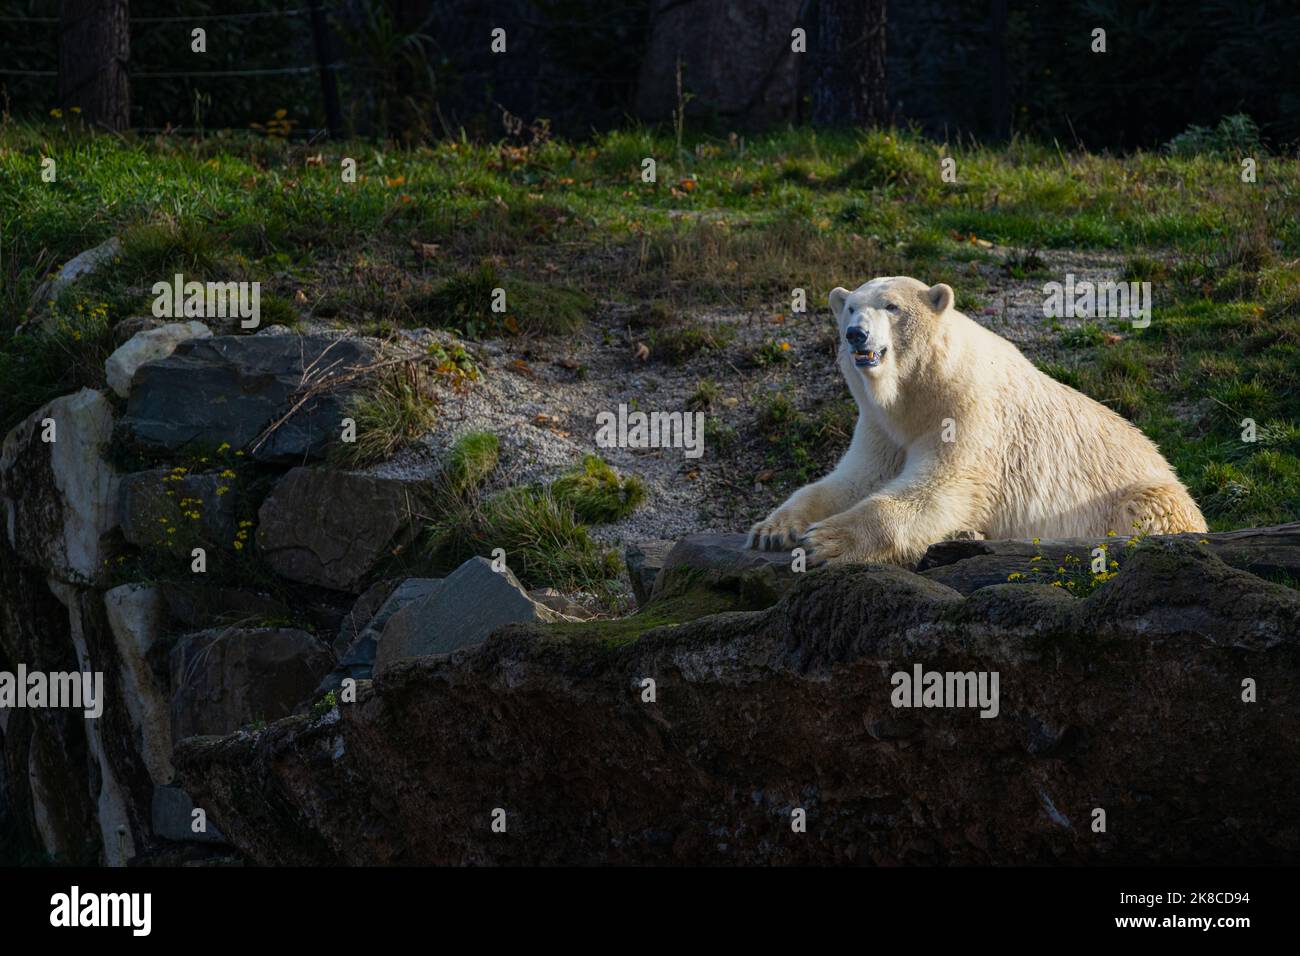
(596, 493)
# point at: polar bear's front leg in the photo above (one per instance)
(783, 527)
(895, 525)
(870, 460)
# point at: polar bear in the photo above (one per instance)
(956, 431)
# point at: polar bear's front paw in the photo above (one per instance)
(778, 531)
(830, 542)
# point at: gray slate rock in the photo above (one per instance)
(470, 603)
(231, 388)
(644, 560)
(725, 554)
(225, 678)
(332, 528)
(361, 613)
(358, 660)
(172, 818)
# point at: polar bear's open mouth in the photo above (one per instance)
(868, 358)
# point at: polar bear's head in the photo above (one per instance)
(886, 325)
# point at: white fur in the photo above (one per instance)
(1032, 458)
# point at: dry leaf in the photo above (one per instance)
(300, 297)
(766, 475)
(317, 160)
(642, 352)
(425, 250)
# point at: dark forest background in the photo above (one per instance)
(420, 69)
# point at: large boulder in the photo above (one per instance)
(224, 678)
(333, 528)
(463, 610)
(148, 345)
(968, 564)
(280, 397)
(60, 496)
(1131, 701)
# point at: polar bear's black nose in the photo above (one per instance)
(856, 336)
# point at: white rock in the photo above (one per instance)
(115, 830)
(60, 497)
(147, 346)
(137, 616)
(76, 267)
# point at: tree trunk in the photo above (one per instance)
(735, 56)
(848, 87)
(94, 49)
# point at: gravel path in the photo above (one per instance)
(544, 409)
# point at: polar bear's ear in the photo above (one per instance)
(940, 297)
(838, 297)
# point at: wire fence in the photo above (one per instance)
(194, 18)
(316, 14)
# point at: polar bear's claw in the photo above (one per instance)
(776, 533)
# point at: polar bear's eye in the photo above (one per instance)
(891, 306)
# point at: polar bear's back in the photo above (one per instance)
(1060, 462)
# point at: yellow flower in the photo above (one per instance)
(171, 530)
(221, 490)
(224, 446)
(1110, 534)
(56, 113)
(1035, 541)
(239, 545)
(1014, 576)
(226, 474)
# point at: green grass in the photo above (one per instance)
(426, 234)
(542, 530)
(471, 462)
(545, 542)
(596, 493)
(394, 410)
